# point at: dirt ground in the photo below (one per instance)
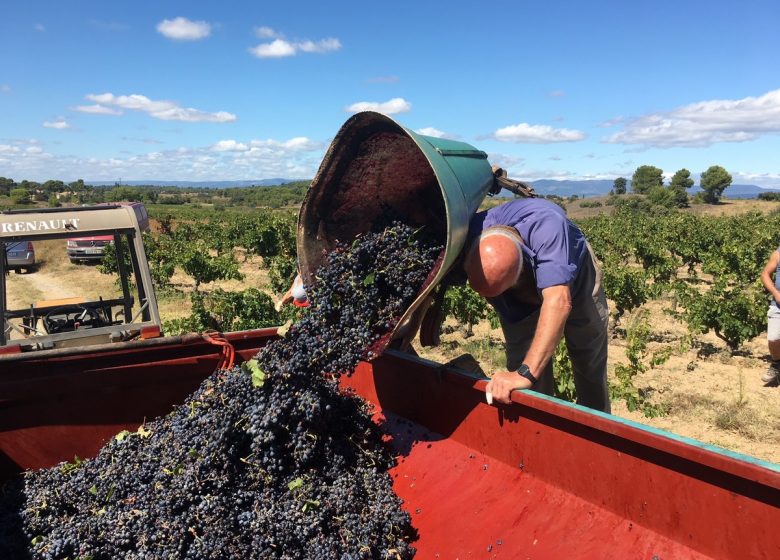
(711, 395)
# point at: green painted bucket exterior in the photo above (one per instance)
(375, 166)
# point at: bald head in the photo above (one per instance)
(494, 262)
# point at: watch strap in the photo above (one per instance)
(525, 371)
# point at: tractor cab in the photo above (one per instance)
(62, 305)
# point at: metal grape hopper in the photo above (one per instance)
(539, 478)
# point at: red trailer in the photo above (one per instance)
(539, 478)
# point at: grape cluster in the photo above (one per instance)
(272, 461)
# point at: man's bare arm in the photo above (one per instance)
(556, 306)
(766, 275)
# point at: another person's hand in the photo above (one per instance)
(503, 383)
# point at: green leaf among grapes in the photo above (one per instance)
(284, 329)
(252, 368)
(143, 432)
(295, 484)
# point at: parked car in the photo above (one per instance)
(88, 248)
(20, 255)
(91, 249)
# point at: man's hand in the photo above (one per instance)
(504, 382)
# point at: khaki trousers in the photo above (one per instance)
(586, 338)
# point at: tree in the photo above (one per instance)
(20, 196)
(663, 196)
(681, 180)
(619, 186)
(6, 184)
(713, 182)
(645, 178)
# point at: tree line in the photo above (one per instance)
(56, 193)
(648, 180)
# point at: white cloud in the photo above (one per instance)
(163, 110)
(760, 179)
(392, 107)
(8, 149)
(323, 46)
(60, 124)
(5, 88)
(183, 29)
(294, 158)
(276, 49)
(537, 134)
(280, 48)
(266, 32)
(96, 110)
(40, 28)
(705, 123)
(612, 122)
(506, 161)
(430, 131)
(436, 133)
(297, 144)
(229, 146)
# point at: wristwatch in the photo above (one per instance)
(525, 371)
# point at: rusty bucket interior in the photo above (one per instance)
(375, 172)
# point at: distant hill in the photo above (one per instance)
(602, 187)
(198, 184)
(569, 188)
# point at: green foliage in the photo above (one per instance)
(20, 196)
(645, 178)
(662, 196)
(590, 204)
(644, 255)
(639, 361)
(735, 313)
(203, 267)
(560, 201)
(6, 184)
(772, 196)
(713, 182)
(54, 202)
(563, 374)
(625, 286)
(227, 311)
(681, 180)
(281, 272)
(466, 306)
(619, 186)
(161, 253)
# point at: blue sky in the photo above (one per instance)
(252, 90)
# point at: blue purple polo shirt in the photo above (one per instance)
(553, 247)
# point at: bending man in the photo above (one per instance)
(538, 271)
